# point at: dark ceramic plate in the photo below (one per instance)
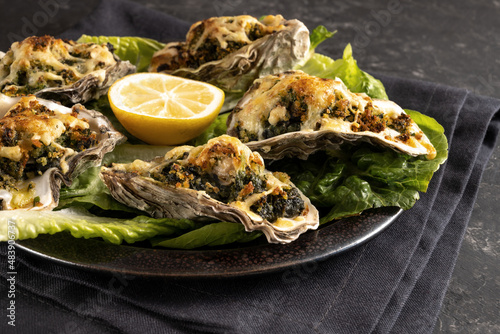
(328, 240)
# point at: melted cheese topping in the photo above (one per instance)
(13, 153)
(309, 101)
(29, 148)
(34, 128)
(39, 127)
(232, 29)
(22, 197)
(39, 62)
(225, 157)
(213, 39)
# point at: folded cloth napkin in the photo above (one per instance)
(394, 283)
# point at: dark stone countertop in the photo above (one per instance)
(455, 43)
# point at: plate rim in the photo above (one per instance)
(225, 263)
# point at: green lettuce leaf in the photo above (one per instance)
(347, 70)
(126, 153)
(137, 50)
(87, 191)
(81, 224)
(216, 129)
(215, 234)
(319, 35)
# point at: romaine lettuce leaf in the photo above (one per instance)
(214, 234)
(87, 191)
(81, 224)
(319, 35)
(216, 129)
(347, 70)
(137, 50)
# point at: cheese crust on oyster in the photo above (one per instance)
(232, 51)
(60, 70)
(296, 114)
(43, 144)
(222, 179)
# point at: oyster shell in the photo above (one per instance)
(60, 70)
(231, 52)
(295, 114)
(44, 144)
(222, 179)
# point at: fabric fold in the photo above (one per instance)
(429, 289)
(462, 164)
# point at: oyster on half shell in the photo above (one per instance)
(60, 70)
(222, 179)
(296, 114)
(44, 144)
(230, 52)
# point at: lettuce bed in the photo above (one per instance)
(339, 184)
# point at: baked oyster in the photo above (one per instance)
(42, 144)
(222, 179)
(296, 114)
(60, 70)
(232, 51)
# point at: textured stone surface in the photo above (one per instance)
(455, 43)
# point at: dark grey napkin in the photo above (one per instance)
(395, 283)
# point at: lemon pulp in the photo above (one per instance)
(161, 109)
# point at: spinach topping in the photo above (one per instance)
(286, 203)
(274, 206)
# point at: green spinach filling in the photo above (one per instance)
(274, 206)
(36, 156)
(287, 203)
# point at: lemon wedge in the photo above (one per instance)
(162, 109)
